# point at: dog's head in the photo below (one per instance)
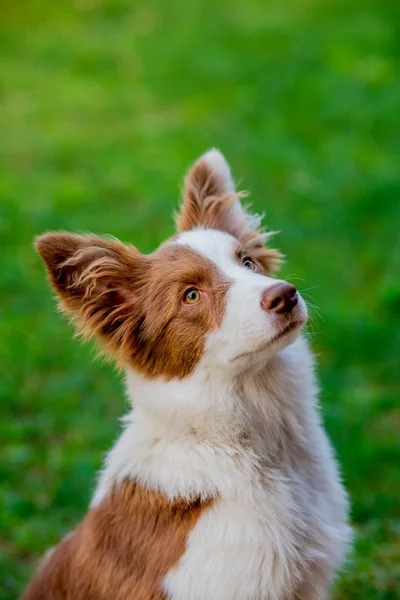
(206, 296)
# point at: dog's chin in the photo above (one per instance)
(284, 336)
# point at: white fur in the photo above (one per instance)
(245, 432)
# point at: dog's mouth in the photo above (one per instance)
(290, 327)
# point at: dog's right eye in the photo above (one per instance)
(249, 264)
(192, 296)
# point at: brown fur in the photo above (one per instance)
(212, 212)
(122, 550)
(207, 203)
(134, 303)
(252, 245)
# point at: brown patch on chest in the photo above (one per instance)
(122, 550)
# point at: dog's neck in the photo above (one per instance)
(181, 433)
(201, 405)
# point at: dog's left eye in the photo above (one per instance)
(248, 263)
(192, 296)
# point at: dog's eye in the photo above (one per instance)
(248, 263)
(192, 296)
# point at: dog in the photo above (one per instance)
(223, 484)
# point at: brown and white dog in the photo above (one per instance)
(223, 485)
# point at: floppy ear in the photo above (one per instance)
(96, 280)
(210, 200)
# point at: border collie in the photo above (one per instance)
(223, 484)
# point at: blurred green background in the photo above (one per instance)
(104, 103)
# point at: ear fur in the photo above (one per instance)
(210, 201)
(96, 281)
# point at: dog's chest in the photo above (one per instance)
(244, 548)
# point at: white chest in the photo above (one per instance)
(242, 548)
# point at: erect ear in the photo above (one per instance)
(97, 281)
(210, 200)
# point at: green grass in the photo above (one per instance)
(102, 106)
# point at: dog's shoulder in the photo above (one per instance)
(123, 548)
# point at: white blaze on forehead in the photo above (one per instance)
(220, 248)
(217, 246)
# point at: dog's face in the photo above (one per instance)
(258, 315)
(205, 297)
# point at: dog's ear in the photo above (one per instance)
(97, 281)
(210, 199)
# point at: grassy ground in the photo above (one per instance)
(103, 104)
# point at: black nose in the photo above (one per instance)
(279, 298)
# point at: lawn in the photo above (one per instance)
(103, 104)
